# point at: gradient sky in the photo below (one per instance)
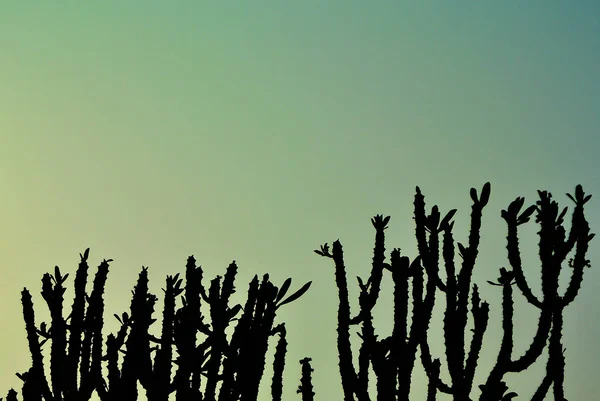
(151, 131)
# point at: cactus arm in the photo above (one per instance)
(306, 388)
(514, 256)
(540, 393)
(401, 360)
(556, 358)
(347, 372)
(434, 378)
(279, 364)
(53, 294)
(76, 324)
(90, 349)
(365, 355)
(162, 361)
(218, 316)
(463, 287)
(98, 323)
(380, 224)
(231, 387)
(579, 261)
(480, 311)
(34, 346)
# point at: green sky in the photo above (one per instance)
(151, 131)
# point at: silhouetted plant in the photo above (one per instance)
(79, 360)
(306, 388)
(235, 366)
(393, 358)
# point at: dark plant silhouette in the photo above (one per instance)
(77, 359)
(218, 368)
(393, 358)
(306, 388)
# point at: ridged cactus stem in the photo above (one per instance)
(380, 224)
(424, 319)
(452, 341)
(113, 345)
(264, 318)
(514, 257)
(347, 372)
(306, 387)
(91, 352)
(480, 311)
(580, 230)
(492, 388)
(402, 362)
(97, 324)
(279, 365)
(228, 287)
(364, 355)
(407, 347)
(76, 327)
(187, 329)
(464, 285)
(53, 295)
(37, 370)
(420, 231)
(556, 358)
(136, 360)
(161, 381)
(217, 338)
(240, 342)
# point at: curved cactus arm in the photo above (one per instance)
(480, 311)
(580, 232)
(279, 364)
(514, 256)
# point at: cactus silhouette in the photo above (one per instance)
(392, 359)
(76, 355)
(195, 359)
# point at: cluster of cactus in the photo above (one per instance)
(393, 358)
(235, 365)
(77, 359)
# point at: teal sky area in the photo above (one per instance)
(257, 131)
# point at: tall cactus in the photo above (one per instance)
(86, 355)
(554, 246)
(306, 388)
(392, 358)
(75, 364)
(211, 366)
